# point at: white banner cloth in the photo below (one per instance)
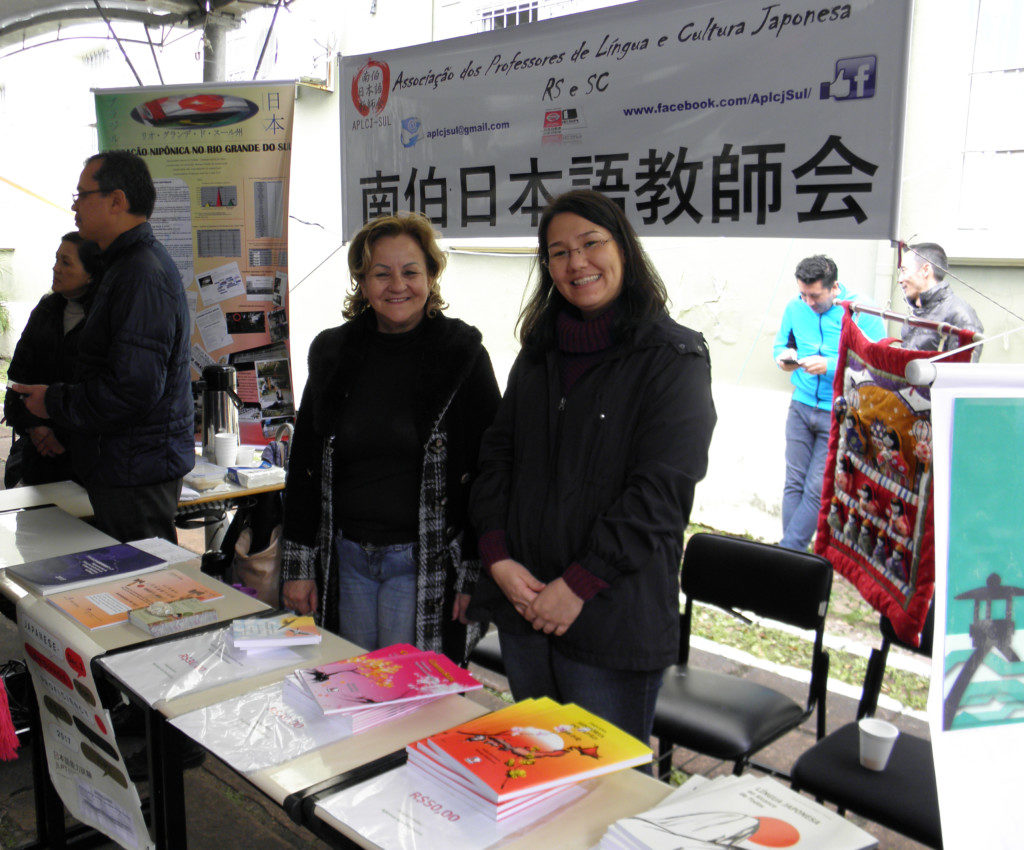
(735, 117)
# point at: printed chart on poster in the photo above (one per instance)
(220, 155)
(699, 118)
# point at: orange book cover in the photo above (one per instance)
(107, 604)
(534, 745)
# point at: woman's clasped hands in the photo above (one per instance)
(550, 608)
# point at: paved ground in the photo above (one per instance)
(223, 807)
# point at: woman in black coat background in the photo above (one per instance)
(45, 354)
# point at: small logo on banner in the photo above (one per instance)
(553, 118)
(854, 80)
(370, 87)
(410, 131)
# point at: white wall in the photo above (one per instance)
(990, 261)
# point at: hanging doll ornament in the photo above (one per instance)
(921, 431)
(897, 562)
(866, 503)
(853, 433)
(852, 526)
(898, 523)
(840, 407)
(888, 457)
(866, 538)
(844, 475)
(835, 515)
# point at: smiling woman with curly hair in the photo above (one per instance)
(376, 537)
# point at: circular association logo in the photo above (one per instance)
(370, 87)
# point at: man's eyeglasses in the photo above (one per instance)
(560, 256)
(77, 196)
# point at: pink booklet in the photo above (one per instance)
(387, 675)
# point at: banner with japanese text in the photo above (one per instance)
(220, 155)
(726, 118)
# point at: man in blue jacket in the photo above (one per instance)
(807, 345)
(129, 410)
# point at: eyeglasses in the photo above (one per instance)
(77, 196)
(560, 257)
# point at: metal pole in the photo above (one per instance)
(214, 50)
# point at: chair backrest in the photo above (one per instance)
(875, 673)
(737, 575)
(927, 632)
(770, 581)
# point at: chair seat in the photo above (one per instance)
(722, 716)
(902, 797)
(487, 654)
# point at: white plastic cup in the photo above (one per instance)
(225, 448)
(877, 738)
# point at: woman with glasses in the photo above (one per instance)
(376, 537)
(45, 354)
(587, 475)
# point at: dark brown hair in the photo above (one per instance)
(643, 297)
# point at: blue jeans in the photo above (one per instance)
(536, 668)
(376, 593)
(807, 430)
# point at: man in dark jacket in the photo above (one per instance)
(129, 408)
(922, 279)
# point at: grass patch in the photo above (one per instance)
(783, 648)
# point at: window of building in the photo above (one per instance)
(511, 15)
(992, 182)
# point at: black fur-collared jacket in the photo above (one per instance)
(455, 402)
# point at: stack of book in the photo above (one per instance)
(256, 634)
(736, 811)
(378, 686)
(111, 602)
(82, 569)
(169, 618)
(504, 763)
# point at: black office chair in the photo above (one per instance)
(902, 797)
(724, 716)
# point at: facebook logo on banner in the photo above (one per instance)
(854, 80)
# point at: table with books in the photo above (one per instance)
(375, 749)
(283, 743)
(302, 740)
(72, 609)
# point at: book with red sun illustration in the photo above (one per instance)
(744, 812)
(531, 746)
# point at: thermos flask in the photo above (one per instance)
(220, 404)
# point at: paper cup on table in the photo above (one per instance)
(225, 448)
(877, 738)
